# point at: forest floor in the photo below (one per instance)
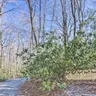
(75, 88)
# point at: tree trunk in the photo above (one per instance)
(44, 22)
(32, 32)
(64, 15)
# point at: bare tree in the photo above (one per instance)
(44, 22)
(1, 45)
(77, 10)
(64, 16)
(73, 10)
(53, 15)
(40, 21)
(33, 32)
(80, 11)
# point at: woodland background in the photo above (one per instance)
(26, 23)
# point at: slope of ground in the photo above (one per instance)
(77, 88)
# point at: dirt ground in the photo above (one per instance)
(75, 88)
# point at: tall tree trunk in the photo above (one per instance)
(33, 32)
(39, 33)
(44, 22)
(64, 16)
(53, 14)
(1, 46)
(73, 10)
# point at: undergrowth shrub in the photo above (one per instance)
(48, 61)
(3, 75)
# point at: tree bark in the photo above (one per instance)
(44, 22)
(64, 16)
(33, 32)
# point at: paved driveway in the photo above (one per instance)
(9, 87)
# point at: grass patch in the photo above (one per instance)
(4, 75)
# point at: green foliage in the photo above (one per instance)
(46, 59)
(62, 85)
(49, 86)
(3, 76)
(46, 85)
(25, 74)
(49, 60)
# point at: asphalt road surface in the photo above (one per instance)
(9, 87)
